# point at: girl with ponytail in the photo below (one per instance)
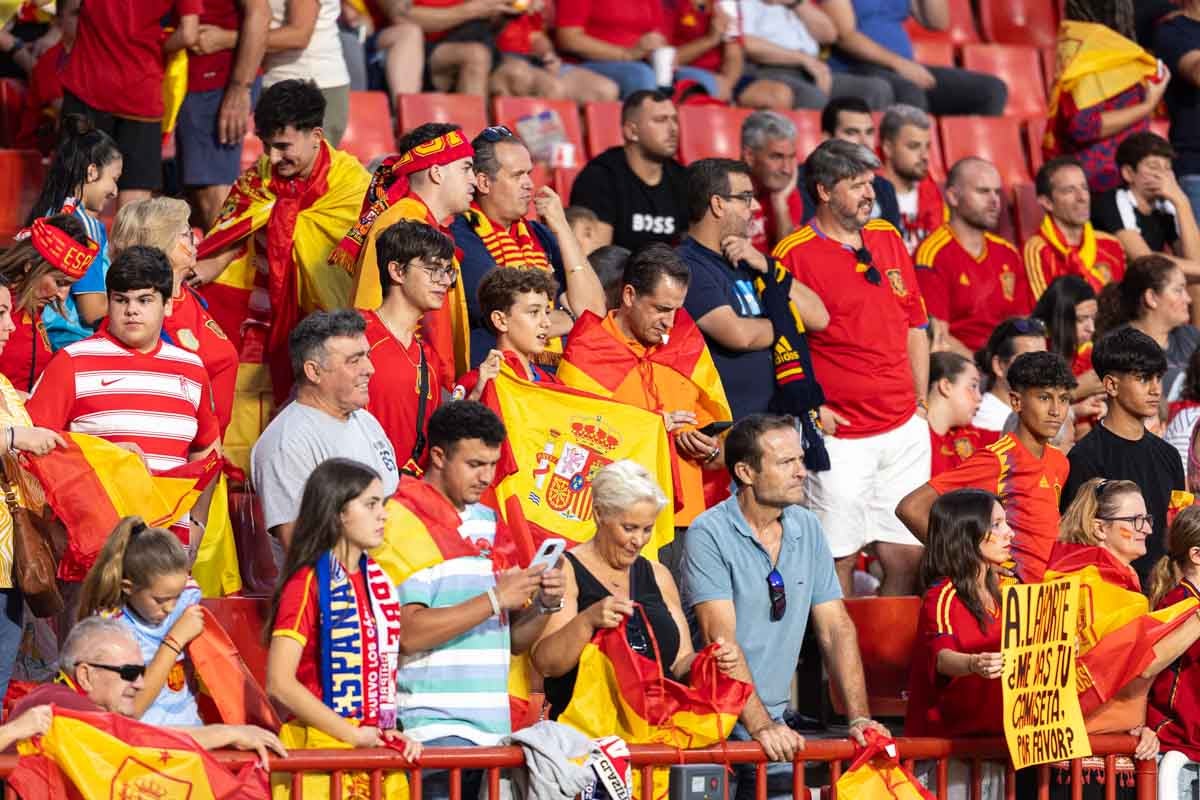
(141, 579)
(82, 179)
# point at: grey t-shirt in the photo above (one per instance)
(301, 437)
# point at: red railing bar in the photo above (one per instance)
(456, 784)
(760, 780)
(647, 782)
(1110, 776)
(1146, 773)
(1076, 779)
(1010, 782)
(1043, 782)
(976, 779)
(376, 785)
(493, 783)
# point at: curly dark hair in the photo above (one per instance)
(500, 288)
(464, 419)
(1040, 370)
(294, 102)
(1129, 351)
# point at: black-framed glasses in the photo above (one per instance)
(635, 634)
(496, 133)
(863, 256)
(128, 672)
(745, 197)
(1139, 522)
(778, 595)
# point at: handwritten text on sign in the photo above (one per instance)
(1042, 720)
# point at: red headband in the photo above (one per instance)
(60, 248)
(435, 152)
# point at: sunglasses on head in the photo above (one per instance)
(777, 594)
(863, 255)
(1029, 326)
(496, 133)
(128, 672)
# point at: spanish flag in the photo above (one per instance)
(1094, 64)
(1119, 638)
(95, 754)
(623, 693)
(228, 692)
(678, 375)
(216, 567)
(93, 483)
(558, 438)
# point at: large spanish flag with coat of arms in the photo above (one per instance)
(97, 754)
(558, 438)
(1119, 637)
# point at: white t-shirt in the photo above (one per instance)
(322, 61)
(992, 414)
(779, 25)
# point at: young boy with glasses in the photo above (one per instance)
(1022, 468)
(1131, 365)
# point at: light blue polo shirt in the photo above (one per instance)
(722, 560)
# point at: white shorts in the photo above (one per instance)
(856, 498)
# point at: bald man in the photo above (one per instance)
(101, 669)
(971, 278)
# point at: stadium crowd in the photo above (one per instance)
(739, 390)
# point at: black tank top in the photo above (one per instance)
(645, 591)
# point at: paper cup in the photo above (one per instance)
(663, 61)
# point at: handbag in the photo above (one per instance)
(34, 565)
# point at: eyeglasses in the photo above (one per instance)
(1139, 522)
(495, 133)
(447, 273)
(863, 256)
(128, 672)
(745, 197)
(1029, 326)
(777, 594)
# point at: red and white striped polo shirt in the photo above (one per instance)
(161, 401)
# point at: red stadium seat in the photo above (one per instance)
(998, 139)
(507, 110)
(369, 131)
(21, 176)
(1017, 66)
(251, 148)
(466, 110)
(887, 634)
(808, 131)
(933, 52)
(1031, 22)
(960, 31)
(1028, 212)
(12, 104)
(243, 619)
(1035, 131)
(602, 124)
(1161, 126)
(1049, 68)
(564, 179)
(710, 132)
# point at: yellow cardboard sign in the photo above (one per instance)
(1042, 720)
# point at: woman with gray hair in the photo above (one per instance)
(162, 222)
(608, 578)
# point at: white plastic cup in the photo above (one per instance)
(563, 155)
(663, 61)
(730, 9)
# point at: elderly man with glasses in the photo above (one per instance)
(497, 231)
(872, 361)
(755, 569)
(101, 669)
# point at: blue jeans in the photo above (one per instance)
(435, 784)
(633, 76)
(12, 605)
(1191, 187)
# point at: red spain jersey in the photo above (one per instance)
(972, 294)
(868, 324)
(931, 214)
(1099, 259)
(298, 617)
(956, 446)
(943, 706)
(1028, 488)
(692, 20)
(27, 351)
(191, 327)
(394, 395)
(161, 401)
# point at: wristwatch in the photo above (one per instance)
(545, 609)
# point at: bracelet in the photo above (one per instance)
(545, 609)
(494, 600)
(713, 456)
(170, 642)
(859, 720)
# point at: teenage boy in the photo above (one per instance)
(1130, 365)
(1021, 467)
(515, 304)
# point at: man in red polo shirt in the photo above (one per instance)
(872, 361)
(972, 280)
(904, 137)
(417, 271)
(1066, 243)
(114, 75)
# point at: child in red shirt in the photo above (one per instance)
(954, 398)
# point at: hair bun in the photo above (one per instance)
(76, 125)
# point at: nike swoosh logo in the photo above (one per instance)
(110, 381)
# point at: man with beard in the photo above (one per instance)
(496, 232)
(904, 137)
(972, 280)
(769, 148)
(638, 190)
(878, 444)
(722, 297)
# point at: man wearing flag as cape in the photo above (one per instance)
(266, 258)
